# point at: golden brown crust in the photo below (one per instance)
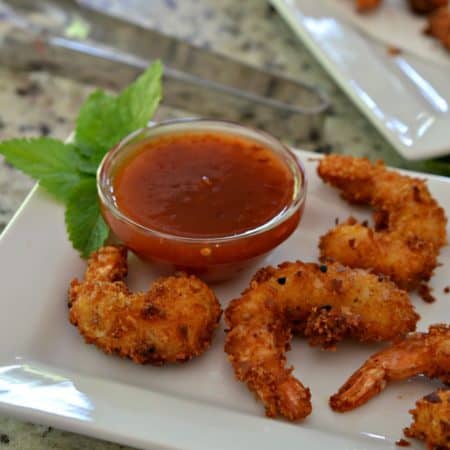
(426, 6)
(326, 303)
(419, 353)
(417, 6)
(431, 420)
(174, 321)
(439, 26)
(410, 227)
(363, 6)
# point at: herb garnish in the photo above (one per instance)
(67, 170)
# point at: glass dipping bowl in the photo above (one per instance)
(211, 258)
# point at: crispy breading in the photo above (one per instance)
(439, 26)
(326, 303)
(363, 6)
(426, 6)
(173, 321)
(410, 226)
(419, 353)
(431, 420)
(417, 6)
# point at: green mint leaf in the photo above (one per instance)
(95, 126)
(85, 225)
(48, 160)
(104, 120)
(86, 166)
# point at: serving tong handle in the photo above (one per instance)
(74, 39)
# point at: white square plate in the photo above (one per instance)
(49, 375)
(406, 98)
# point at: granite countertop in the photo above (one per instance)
(39, 103)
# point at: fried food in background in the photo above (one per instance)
(426, 6)
(363, 6)
(431, 420)
(419, 353)
(439, 26)
(417, 6)
(325, 303)
(172, 322)
(410, 226)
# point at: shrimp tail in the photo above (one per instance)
(419, 353)
(359, 389)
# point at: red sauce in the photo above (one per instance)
(203, 185)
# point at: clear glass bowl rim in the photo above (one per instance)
(199, 125)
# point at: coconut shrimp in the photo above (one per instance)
(410, 226)
(325, 303)
(174, 321)
(419, 353)
(417, 6)
(439, 26)
(426, 6)
(431, 420)
(363, 6)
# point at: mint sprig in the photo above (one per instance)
(52, 162)
(67, 170)
(84, 223)
(104, 120)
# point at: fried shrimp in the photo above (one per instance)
(426, 6)
(439, 26)
(419, 353)
(173, 321)
(431, 420)
(410, 226)
(417, 6)
(363, 6)
(325, 303)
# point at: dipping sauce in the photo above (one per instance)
(207, 197)
(203, 185)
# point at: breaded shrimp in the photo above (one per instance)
(410, 226)
(173, 321)
(417, 6)
(431, 420)
(426, 6)
(419, 353)
(363, 6)
(325, 303)
(439, 26)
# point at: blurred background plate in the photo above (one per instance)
(405, 97)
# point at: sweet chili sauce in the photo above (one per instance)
(206, 202)
(203, 185)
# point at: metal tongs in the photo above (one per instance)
(74, 39)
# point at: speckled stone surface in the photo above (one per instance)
(37, 103)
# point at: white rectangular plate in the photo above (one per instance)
(407, 98)
(49, 375)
